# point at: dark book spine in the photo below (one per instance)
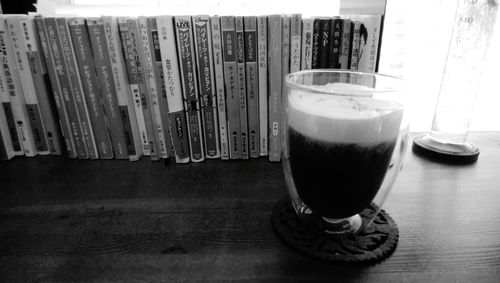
(11, 124)
(325, 55)
(275, 81)
(52, 77)
(240, 56)
(91, 91)
(187, 63)
(231, 85)
(208, 101)
(107, 87)
(336, 43)
(345, 49)
(252, 77)
(316, 35)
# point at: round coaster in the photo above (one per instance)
(426, 146)
(373, 244)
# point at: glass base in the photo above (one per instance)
(440, 150)
(343, 226)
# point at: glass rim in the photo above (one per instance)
(400, 82)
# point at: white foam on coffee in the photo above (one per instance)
(344, 119)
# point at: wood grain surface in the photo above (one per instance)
(110, 220)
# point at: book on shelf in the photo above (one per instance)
(316, 38)
(130, 55)
(274, 85)
(91, 90)
(51, 54)
(219, 85)
(252, 84)
(10, 145)
(123, 92)
(152, 87)
(335, 35)
(89, 148)
(6, 148)
(177, 117)
(327, 58)
(229, 47)
(242, 86)
(295, 42)
(16, 96)
(160, 79)
(369, 41)
(345, 44)
(285, 50)
(307, 35)
(207, 91)
(353, 62)
(263, 83)
(20, 39)
(187, 66)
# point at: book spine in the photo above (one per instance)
(139, 61)
(345, 44)
(48, 41)
(16, 97)
(43, 89)
(91, 91)
(16, 26)
(252, 78)
(208, 99)
(9, 142)
(185, 47)
(355, 46)
(316, 44)
(129, 46)
(295, 42)
(285, 50)
(369, 42)
(242, 89)
(326, 58)
(275, 80)
(336, 42)
(162, 93)
(177, 117)
(263, 97)
(75, 88)
(152, 89)
(124, 95)
(230, 83)
(106, 84)
(307, 35)
(219, 84)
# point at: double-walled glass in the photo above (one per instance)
(344, 139)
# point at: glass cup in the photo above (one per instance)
(344, 139)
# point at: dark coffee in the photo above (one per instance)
(337, 180)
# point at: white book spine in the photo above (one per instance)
(152, 87)
(170, 63)
(307, 35)
(295, 42)
(263, 97)
(219, 83)
(16, 97)
(123, 91)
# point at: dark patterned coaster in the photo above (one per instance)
(372, 244)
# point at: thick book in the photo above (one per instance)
(162, 93)
(48, 43)
(326, 59)
(91, 90)
(152, 85)
(275, 81)
(170, 63)
(263, 97)
(369, 41)
(307, 41)
(43, 88)
(76, 90)
(208, 96)
(219, 86)
(10, 145)
(17, 27)
(335, 36)
(130, 55)
(123, 92)
(295, 42)
(187, 66)
(16, 96)
(354, 60)
(252, 80)
(242, 88)
(107, 85)
(316, 39)
(231, 85)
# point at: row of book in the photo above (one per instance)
(189, 87)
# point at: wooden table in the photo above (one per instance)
(79, 220)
